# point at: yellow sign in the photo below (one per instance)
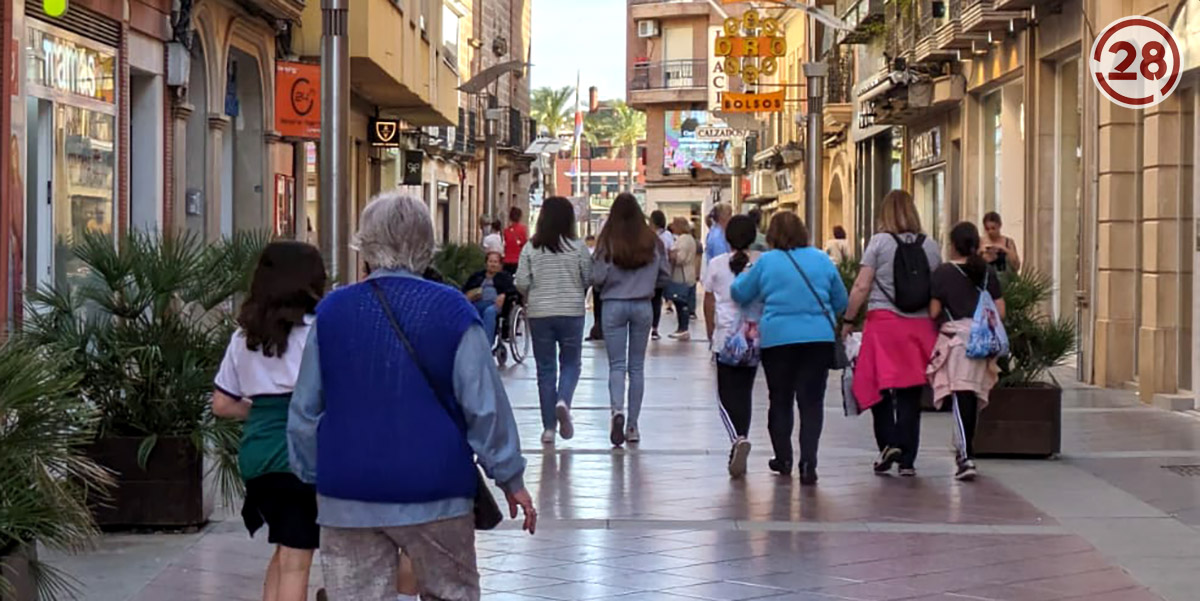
(732, 102)
(751, 46)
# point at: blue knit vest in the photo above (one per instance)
(384, 437)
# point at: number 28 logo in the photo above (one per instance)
(1135, 62)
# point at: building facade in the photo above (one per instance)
(988, 105)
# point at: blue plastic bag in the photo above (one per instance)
(742, 346)
(988, 338)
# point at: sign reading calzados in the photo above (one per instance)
(751, 47)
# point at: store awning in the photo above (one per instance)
(761, 199)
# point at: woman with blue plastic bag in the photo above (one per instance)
(971, 337)
(735, 340)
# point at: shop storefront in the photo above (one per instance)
(72, 115)
(878, 170)
(927, 162)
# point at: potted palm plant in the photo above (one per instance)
(45, 478)
(457, 262)
(146, 330)
(1024, 413)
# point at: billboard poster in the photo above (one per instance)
(694, 137)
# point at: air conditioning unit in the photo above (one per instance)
(647, 28)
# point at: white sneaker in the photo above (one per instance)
(684, 336)
(632, 434)
(548, 436)
(737, 458)
(566, 428)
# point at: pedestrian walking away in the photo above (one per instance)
(800, 291)
(255, 384)
(597, 331)
(714, 245)
(659, 220)
(491, 292)
(894, 283)
(554, 275)
(682, 288)
(737, 361)
(838, 248)
(370, 409)
(493, 241)
(963, 380)
(629, 264)
(515, 237)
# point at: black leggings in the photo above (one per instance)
(898, 422)
(735, 387)
(796, 375)
(656, 304)
(966, 415)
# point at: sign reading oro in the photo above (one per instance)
(751, 46)
(298, 100)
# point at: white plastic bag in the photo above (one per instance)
(849, 402)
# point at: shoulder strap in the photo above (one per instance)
(825, 310)
(412, 353)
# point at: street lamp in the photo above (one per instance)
(333, 218)
(816, 73)
(491, 118)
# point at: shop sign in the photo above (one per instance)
(719, 132)
(752, 103)
(72, 68)
(414, 161)
(718, 81)
(384, 133)
(751, 46)
(926, 148)
(298, 100)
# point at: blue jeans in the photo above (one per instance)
(564, 335)
(626, 335)
(489, 314)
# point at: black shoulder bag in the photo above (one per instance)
(487, 512)
(840, 359)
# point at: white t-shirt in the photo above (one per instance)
(245, 373)
(493, 243)
(717, 280)
(668, 239)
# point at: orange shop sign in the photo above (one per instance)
(298, 100)
(732, 102)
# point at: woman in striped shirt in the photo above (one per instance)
(553, 274)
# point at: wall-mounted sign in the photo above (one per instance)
(413, 166)
(384, 133)
(718, 81)
(683, 146)
(751, 46)
(719, 131)
(71, 67)
(926, 148)
(298, 100)
(752, 103)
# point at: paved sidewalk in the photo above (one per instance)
(663, 522)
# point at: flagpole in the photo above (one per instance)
(578, 136)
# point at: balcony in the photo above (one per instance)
(839, 91)
(669, 81)
(667, 9)
(951, 37)
(865, 16)
(983, 16)
(928, 49)
(901, 39)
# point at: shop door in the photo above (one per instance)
(39, 191)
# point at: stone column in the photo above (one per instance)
(270, 139)
(218, 124)
(177, 220)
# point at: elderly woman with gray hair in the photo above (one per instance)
(397, 397)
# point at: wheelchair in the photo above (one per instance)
(512, 336)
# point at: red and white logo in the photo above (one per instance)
(1135, 62)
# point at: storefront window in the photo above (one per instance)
(84, 162)
(991, 158)
(930, 195)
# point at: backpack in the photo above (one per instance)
(911, 276)
(988, 337)
(741, 348)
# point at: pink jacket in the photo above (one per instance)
(950, 370)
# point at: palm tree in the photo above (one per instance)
(627, 127)
(552, 109)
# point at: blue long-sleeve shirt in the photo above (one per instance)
(491, 432)
(791, 314)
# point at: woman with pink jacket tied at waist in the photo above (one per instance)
(889, 375)
(956, 289)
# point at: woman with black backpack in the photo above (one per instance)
(895, 283)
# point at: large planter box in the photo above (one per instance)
(14, 565)
(1021, 422)
(169, 493)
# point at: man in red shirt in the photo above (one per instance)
(515, 237)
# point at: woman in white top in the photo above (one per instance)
(735, 382)
(682, 289)
(254, 384)
(553, 274)
(493, 243)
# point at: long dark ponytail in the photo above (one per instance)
(740, 233)
(965, 240)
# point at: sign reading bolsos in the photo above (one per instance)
(298, 100)
(752, 103)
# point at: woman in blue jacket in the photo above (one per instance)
(801, 291)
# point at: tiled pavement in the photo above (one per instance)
(663, 522)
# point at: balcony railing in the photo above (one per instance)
(840, 80)
(686, 73)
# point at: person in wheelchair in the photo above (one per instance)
(492, 292)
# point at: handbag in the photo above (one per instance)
(742, 346)
(840, 360)
(487, 511)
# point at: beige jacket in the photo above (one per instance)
(683, 260)
(950, 370)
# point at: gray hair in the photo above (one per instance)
(395, 232)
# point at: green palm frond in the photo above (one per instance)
(456, 262)
(553, 109)
(1037, 342)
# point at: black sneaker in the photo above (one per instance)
(780, 467)
(967, 471)
(808, 474)
(322, 595)
(887, 458)
(617, 433)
